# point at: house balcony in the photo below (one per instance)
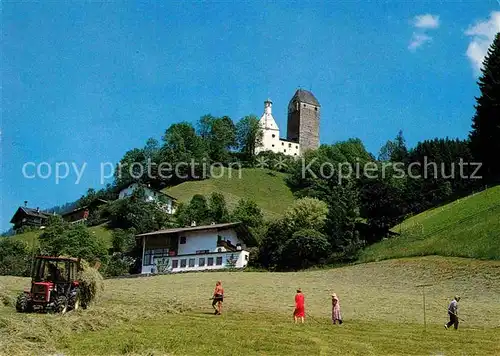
(196, 262)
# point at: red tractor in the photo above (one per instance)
(53, 286)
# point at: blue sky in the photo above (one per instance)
(85, 82)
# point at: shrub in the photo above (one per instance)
(15, 257)
(119, 265)
(306, 248)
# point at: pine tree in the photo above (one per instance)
(485, 134)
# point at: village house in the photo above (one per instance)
(195, 248)
(80, 215)
(28, 217)
(166, 202)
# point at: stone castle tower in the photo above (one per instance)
(303, 120)
(302, 127)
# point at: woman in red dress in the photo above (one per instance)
(300, 311)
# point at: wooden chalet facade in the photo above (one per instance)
(80, 215)
(28, 217)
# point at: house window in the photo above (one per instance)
(295, 154)
(175, 263)
(304, 105)
(160, 254)
(246, 257)
(289, 145)
(191, 262)
(151, 256)
(285, 149)
(183, 263)
(315, 109)
(282, 143)
(273, 145)
(218, 261)
(210, 261)
(201, 262)
(148, 254)
(297, 147)
(274, 135)
(182, 240)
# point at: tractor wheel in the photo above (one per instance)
(61, 304)
(23, 303)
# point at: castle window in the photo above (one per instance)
(304, 105)
(297, 147)
(285, 149)
(282, 143)
(289, 145)
(316, 109)
(273, 145)
(295, 154)
(274, 135)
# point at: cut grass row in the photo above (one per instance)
(264, 334)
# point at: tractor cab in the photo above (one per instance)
(54, 285)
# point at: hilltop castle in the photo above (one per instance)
(302, 126)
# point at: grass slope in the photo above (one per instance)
(171, 315)
(31, 237)
(265, 187)
(468, 227)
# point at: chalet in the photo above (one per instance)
(195, 248)
(166, 202)
(80, 215)
(29, 217)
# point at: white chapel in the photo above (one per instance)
(271, 135)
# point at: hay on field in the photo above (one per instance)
(6, 299)
(91, 283)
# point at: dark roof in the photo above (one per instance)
(30, 212)
(94, 202)
(305, 96)
(192, 228)
(54, 258)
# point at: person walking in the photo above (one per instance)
(336, 316)
(453, 313)
(300, 310)
(218, 298)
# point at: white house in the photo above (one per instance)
(195, 248)
(271, 140)
(165, 201)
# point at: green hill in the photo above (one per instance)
(265, 187)
(101, 231)
(468, 227)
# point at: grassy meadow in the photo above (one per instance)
(468, 227)
(31, 237)
(171, 315)
(265, 187)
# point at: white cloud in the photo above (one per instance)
(422, 23)
(417, 40)
(426, 21)
(482, 35)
